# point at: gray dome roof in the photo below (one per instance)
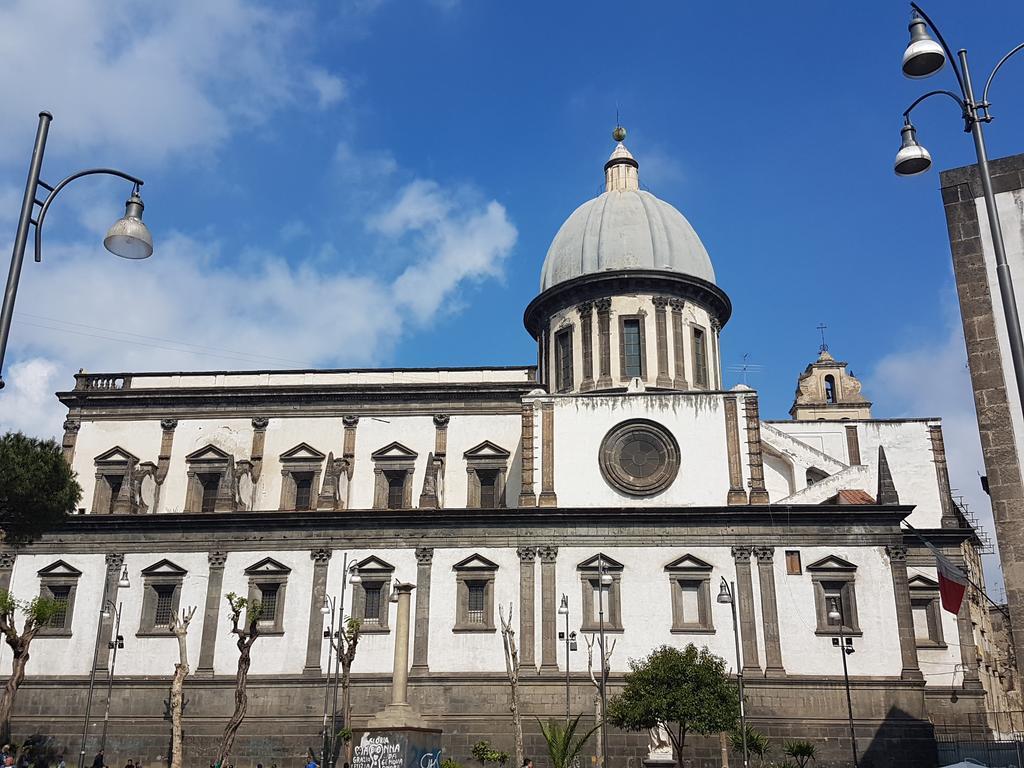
(624, 228)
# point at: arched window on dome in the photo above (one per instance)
(830, 389)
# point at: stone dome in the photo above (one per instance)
(624, 228)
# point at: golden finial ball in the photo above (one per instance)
(619, 134)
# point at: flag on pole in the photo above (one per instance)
(952, 583)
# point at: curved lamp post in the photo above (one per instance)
(925, 57)
(128, 237)
(349, 575)
(107, 608)
(604, 580)
(727, 594)
(845, 646)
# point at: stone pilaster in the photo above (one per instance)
(737, 496)
(71, 427)
(661, 339)
(586, 312)
(548, 610)
(527, 618)
(163, 459)
(852, 445)
(604, 342)
(965, 629)
(745, 597)
(773, 666)
(678, 346)
(545, 357)
(949, 517)
(7, 560)
(904, 612)
(348, 450)
(715, 374)
(527, 495)
(424, 562)
(114, 562)
(259, 439)
(315, 638)
(433, 483)
(211, 613)
(758, 493)
(547, 474)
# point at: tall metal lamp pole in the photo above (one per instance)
(727, 594)
(604, 580)
(328, 609)
(836, 617)
(113, 645)
(923, 58)
(563, 610)
(128, 237)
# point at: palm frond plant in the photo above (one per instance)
(564, 746)
(801, 751)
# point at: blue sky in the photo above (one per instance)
(376, 182)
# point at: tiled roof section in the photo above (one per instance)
(850, 496)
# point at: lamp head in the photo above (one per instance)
(354, 577)
(912, 158)
(563, 608)
(834, 615)
(105, 613)
(606, 579)
(724, 594)
(129, 238)
(394, 593)
(325, 609)
(923, 57)
(123, 581)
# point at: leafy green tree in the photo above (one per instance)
(485, 753)
(687, 691)
(37, 613)
(563, 744)
(37, 488)
(801, 751)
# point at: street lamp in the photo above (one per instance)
(727, 594)
(107, 608)
(925, 57)
(845, 646)
(604, 580)
(113, 645)
(570, 645)
(129, 238)
(349, 575)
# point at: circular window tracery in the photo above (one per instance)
(639, 457)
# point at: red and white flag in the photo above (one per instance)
(952, 583)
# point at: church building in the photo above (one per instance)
(617, 476)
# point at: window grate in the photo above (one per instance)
(631, 348)
(372, 605)
(476, 603)
(61, 596)
(164, 604)
(268, 603)
(396, 489)
(210, 483)
(303, 490)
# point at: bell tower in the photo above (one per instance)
(826, 391)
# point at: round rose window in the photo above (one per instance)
(639, 457)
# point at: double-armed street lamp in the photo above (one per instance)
(335, 608)
(727, 594)
(604, 580)
(845, 645)
(128, 238)
(107, 608)
(570, 645)
(924, 57)
(116, 642)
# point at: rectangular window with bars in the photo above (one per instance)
(563, 360)
(396, 488)
(210, 484)
(303, 490)
(268, 603)
(372, 604)
(632, 354)
(61, 595)
(164, 607)
(700, 358)
(477, 602)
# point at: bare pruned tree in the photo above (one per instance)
(37, 613)
(508, 638)
(245, 634)
(179, 626)
(597, 690)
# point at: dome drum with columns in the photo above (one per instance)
(627, 292)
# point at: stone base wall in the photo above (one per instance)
(285, 717)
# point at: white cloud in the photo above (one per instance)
(933, 380)
(419, 204)
(152, 79)
(27, 402)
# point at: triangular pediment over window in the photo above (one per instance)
(486, 450)
(923, 582)
(475, 563)
(393, 451)
(60, 568)
(374, 563)
(116, 455)
(208, 453)
(591, 564)
(832, 563)
(688, 563)
(267, 565)
(164, 568)
(302, 452)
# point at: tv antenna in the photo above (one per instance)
(746, 367)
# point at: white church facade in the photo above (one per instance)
(491, 487)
